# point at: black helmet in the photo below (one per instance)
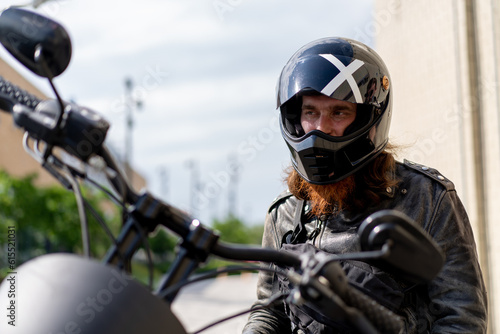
(346, 70)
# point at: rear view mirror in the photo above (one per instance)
(412, 252)
(31, 37)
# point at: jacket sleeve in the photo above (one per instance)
(458, 302)
(269, 320)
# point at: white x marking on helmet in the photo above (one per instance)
(345, 73)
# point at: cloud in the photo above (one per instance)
(206, 72)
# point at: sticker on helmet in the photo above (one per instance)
(345, 74)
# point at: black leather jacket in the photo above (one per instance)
(454, 302)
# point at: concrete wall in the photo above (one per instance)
(425, 45)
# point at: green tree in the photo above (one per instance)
(234, 230)
(46, 219)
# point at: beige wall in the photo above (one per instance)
(13, 158)
(425, 47)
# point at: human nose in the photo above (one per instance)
(325, 125)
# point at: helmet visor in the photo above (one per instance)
(291, 113)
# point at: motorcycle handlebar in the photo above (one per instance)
(31, 114)
(78, 130)
(239, 253)
(382, 318)
(11, 95)
(82, 133)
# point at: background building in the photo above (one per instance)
(13, 159)
(443, 57)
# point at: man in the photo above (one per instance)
(335, 100)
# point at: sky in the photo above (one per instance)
(206, 137)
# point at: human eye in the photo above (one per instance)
(339, 113)
(342, 113)
(309, 112)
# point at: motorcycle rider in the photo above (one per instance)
(335, 100)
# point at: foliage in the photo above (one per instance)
(235, 231)
(46, 218)
(46, 221)
(162, 242)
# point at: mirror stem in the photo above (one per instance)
(39, 58)
(366, 255)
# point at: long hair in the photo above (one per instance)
(375, 179)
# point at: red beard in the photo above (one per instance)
(325, 199)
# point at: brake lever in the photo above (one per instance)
(323, 287)
(320, 286)
(81, 131)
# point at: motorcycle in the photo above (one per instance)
(69, 293)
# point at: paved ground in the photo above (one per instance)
(202, 303)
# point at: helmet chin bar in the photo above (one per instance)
(321, 161)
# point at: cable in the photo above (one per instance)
(104, 226)
(145, 242)
(108, 193)
(268, 303)
(81, 212)
(215, 272)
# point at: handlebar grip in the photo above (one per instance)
(11, 95)
(382, 318)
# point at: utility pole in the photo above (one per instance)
(131, 103)
(195, 187)
(234, 170)
(164, 186)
